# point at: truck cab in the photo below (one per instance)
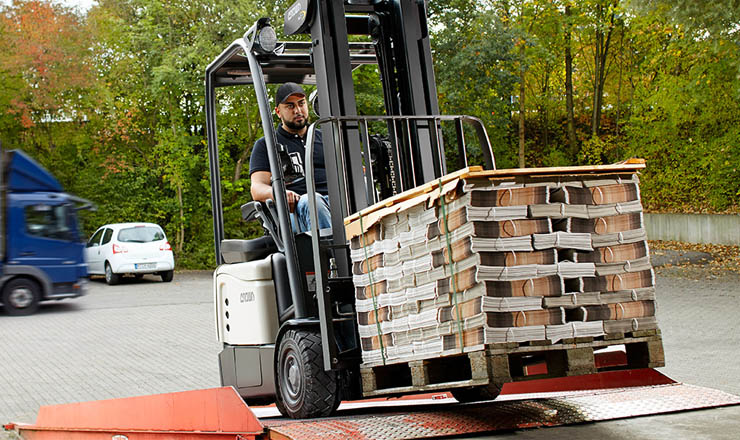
(42, 248)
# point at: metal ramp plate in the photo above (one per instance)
(506, 413)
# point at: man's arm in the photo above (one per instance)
(262, 189)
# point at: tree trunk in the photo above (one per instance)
(543, 109)
(181, 231)
(521, 119)
(569, 85)
(601, 52)
(619, 84)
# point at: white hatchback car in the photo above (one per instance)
(129, 248)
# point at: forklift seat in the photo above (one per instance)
(240, 251)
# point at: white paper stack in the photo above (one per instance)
(563, 240)
(502, 261)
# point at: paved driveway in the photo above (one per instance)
(132, 339)
(151, 337)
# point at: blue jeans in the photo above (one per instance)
(301, 218)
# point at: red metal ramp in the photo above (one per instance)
(202, 414)
(220, 412)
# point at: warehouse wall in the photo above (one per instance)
(694, 228)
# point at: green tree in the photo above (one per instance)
(154, 55)
(45, 68)
(472, 60)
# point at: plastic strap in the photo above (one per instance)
(452, 267)
(621, 308)
(515, 233)
(593, 195)
(614, 284)
(524, 316)
(596, 225)
(508, 192)
(531, 286)
(363, 241)
(610, 258)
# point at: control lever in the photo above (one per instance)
(257, 211)
(272, 214)
(291, 163)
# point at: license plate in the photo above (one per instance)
(145, 266)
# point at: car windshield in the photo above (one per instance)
(140, 234)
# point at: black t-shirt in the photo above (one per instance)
(294, 144)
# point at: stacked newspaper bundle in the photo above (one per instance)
(486, 261)
(473, 263)
(622, 292)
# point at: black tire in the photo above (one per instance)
(21, 297)
(167, 275)
(304, 389)
(476, 394)
(110, 277)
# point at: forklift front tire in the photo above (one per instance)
(305, 390)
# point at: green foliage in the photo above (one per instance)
(112, 102)
(593, 151)
(473, 68)
(685, 122)
(718, 18)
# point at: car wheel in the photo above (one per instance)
(167, 275)
(304, 389)
(110, 277)
(21, 297)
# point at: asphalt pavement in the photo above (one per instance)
(148, 337)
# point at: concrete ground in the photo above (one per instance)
(151, 337)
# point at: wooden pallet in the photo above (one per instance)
(508, 362)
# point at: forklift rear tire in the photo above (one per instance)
(305, 390)
(21, 297)
(476, 394)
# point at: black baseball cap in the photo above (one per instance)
(286, 90)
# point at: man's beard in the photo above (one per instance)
(296, 125)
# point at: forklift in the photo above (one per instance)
(284, 302)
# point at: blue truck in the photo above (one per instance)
(41, 248)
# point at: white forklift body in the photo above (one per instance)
(245, 305)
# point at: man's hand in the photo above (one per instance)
(293, 198)
(262, 190)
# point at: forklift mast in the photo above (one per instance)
(401, 44)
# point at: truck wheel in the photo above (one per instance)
(305, 390)
(110, 277)
(167, 275)
(21, 297)
(476, 394)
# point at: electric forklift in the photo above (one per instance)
(284, 302)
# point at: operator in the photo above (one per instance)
(292, 109)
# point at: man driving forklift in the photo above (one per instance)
(291, 107)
